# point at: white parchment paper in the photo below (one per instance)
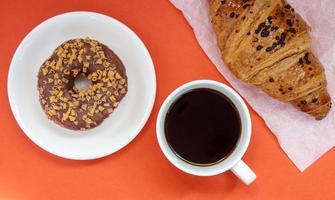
(302, 138)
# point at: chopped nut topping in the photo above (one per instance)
(84, 106)
(104, 89)
(59, 51)
(58, 64)
(76, 103)
(75, 72)
(99, 61)
(44, 71)
(72, 105)
(99, 96)
(65, 80)
(52, 112)
(52, 99)
(91, 109)
(88, 120)
(66, 72)
(122, 81)
(111, 75)
(101, 54)
(118, 76)
(112, 98)
(72, 118)
(80, 58)
(123, 91)
(106, 64)
(101, 108)
(86, 64)
(60, 93)
(64, 106)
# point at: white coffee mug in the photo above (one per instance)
(233, 162)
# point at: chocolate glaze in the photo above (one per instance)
(70, 107)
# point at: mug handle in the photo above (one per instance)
(243, 172)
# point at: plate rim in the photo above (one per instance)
(22, 125)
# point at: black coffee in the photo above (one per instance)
(202, 127)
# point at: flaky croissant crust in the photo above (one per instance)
(267, 44)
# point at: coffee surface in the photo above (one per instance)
(202, 127)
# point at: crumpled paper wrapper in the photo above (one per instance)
(302, 138)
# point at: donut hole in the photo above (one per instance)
(82, 83)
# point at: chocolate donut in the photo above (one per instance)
(81, 109)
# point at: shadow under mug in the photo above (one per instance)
(233, 162)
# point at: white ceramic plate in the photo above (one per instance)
(121, 126)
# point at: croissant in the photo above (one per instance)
(267, 44)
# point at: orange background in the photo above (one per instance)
(140, 171)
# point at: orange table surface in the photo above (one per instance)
(140, 170)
